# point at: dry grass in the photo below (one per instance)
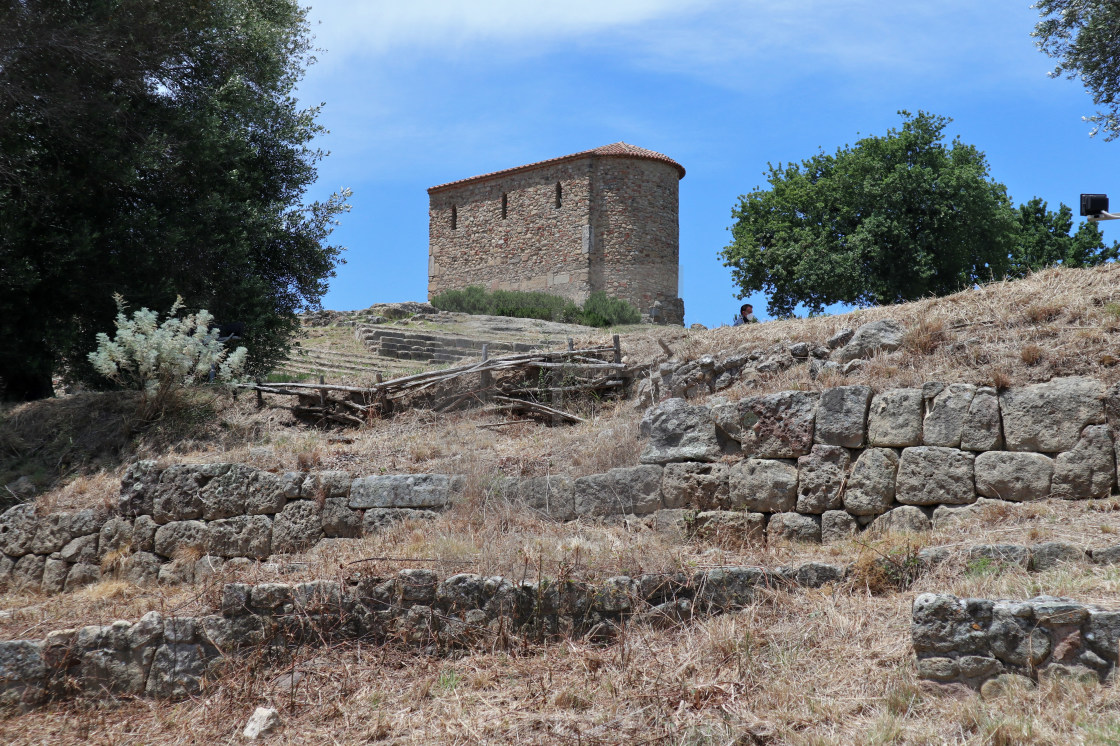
(830, 666)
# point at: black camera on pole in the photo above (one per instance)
(1095, 207)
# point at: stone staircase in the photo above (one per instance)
(311, 362)
(433, 349)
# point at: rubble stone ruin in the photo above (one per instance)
(603, 219)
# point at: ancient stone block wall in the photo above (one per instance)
(172, 657)
(979, 642)
(605, 219)
(822, 465)
(537, 246)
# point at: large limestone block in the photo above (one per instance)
(176, 497)
(23, 673)
(400, 491)
(243, 536)
(269, 493)
(763, 485)
(870, 489)
(18, 526)
(628, 491)
(177, 671)
(946, 412)
(1088, 470)
(28, 571)
(982, 429)
(115, 536)
(929, 475)
(895, 419)
(141, 568)
(181, 536)
(225, 495)
(778, 425)
(696, 485)
(298, 526)
(54, 575)
(885, 336)
(837, 525)
(729, 527)
(1013, 476)
(52, 533)
(339, 520)
(842, 416)
(679, 431)
(1049, 417)
(552, 495)
(820, 475)
(320, 485)
(794, 527)
(905, 518)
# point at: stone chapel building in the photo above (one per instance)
(603, 219)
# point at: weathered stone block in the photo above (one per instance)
(895, 418)
(778, 425)
(81, 574)
(905, 518)
(679, 431)
(1049, 417)
(323, 484)
(144, 533)
(763, 485)
(729, 527)
(182, 536)
(794, 527)
(225, 495)
(842, 416)
(81, 549)
(1019, 477)
(115, 536)
(946, 413)
(870, 489)
(837, 525)
(878, 336)
(339, 520)
(929, 475)
(1088, 470)
(243, 536)
(141, 568)
(820, 475)
(376, 520)
(177, 671)
(18, 526)
(297, 527)
(176, 497)
(28, 571)
(696, 485)
(269, 493)
(400, 491)
(1051, 553)
(635, 490)
(982, 430)
(552, 495)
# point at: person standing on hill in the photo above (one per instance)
(745, 315)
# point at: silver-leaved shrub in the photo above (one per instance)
(158, 358)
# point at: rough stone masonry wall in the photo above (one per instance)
(170, 657)
(975, 641)
(537, 246)
(821, 465)
(180, 523)
(634, 219)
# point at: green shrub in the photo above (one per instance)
(598, 310)
(602, 310)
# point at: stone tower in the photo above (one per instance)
(603, 219)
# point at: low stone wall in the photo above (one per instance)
(171, 657)
(431, 348)
(975, 641)
(822, 465)
(221, 512)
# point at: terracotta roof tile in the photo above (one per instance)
(616, 149)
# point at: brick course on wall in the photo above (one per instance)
(603, 220)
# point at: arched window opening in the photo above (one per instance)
(505, 205)
(559, 194)
(454, 217)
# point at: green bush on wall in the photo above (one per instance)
(598, 310)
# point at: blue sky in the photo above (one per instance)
(427, 91)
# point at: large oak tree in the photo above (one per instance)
(153, 150)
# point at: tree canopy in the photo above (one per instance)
(1044, 239)
(890, 219)
(1082, 36)
(154, 150)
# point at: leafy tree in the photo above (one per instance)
(890, 219)
(1044, 239)
(154, 150)
(1082, 36)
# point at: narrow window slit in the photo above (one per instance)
(505, 205)
(454, 217)
(559, 194)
